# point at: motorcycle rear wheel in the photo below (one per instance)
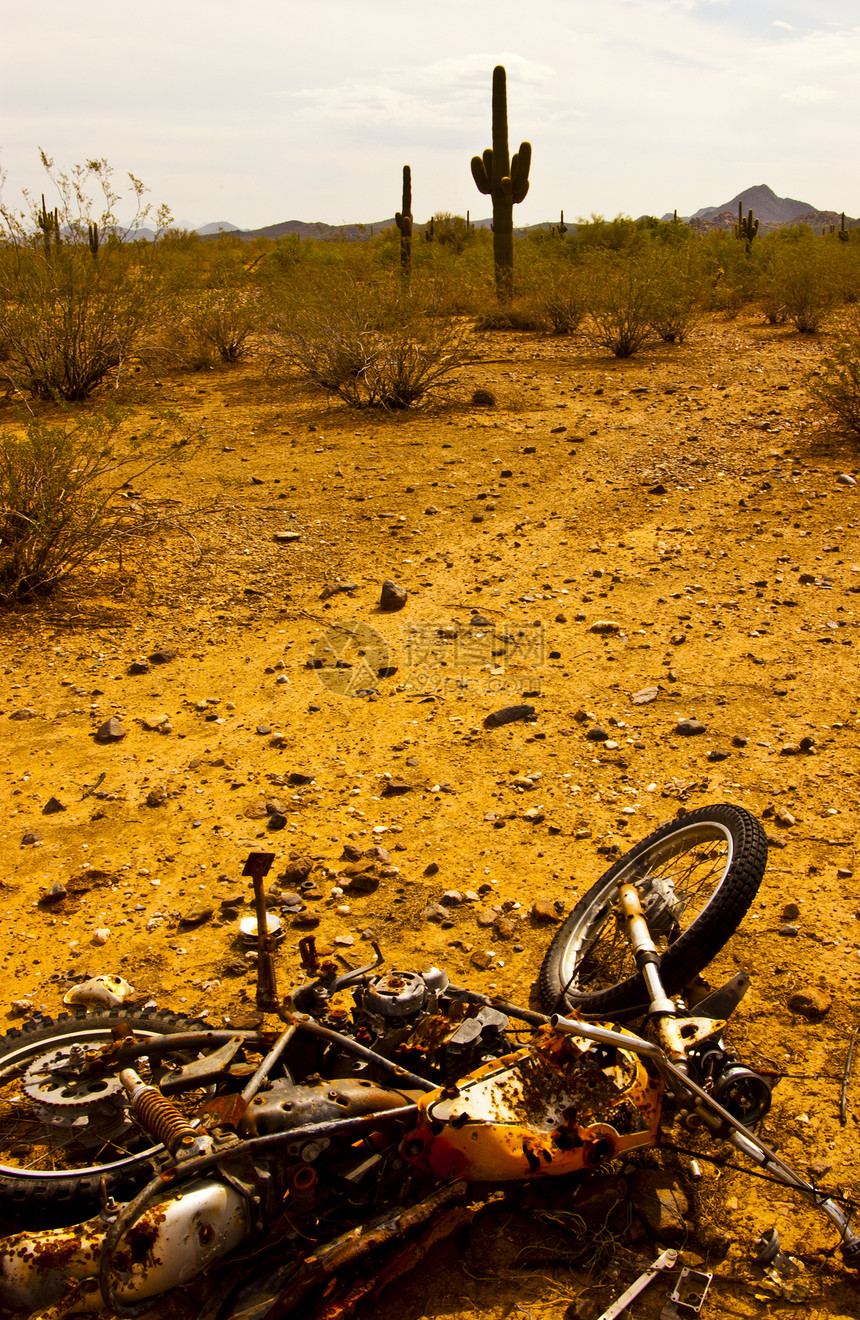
(696, 878)
(60, 1135)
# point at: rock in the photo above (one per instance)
(451, 898)
(505, 928)
(431, 868)
(379, 854)
(660, 1203)
(139, 667)
(298, 869)
(256, 810)
(689, 728)
(605, 627)
(845, 479)
(362, 882)
(507, 715)
(162, 657)
(544, 910)
(286, 538)
(55, 894)
(52, 806)
(25, 713)
(30, 839)
(789, 931)
(811, 1004)
(790, 912)
(739, 740)
(110, 731)
(716, 754)
(393, 597)
(482, 959)
(436, 912)
(274, 806)
(263, 730)
(645, 695)
(101, 935)
(277, 821)
(819, 1168)
(196, 914)
(484, 399)
(597, 733)
(156, 797)
(396, 788)
(784, 817)
(597, 1196)
(487, 917)
(300, 777)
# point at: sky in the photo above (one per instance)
(278, 110)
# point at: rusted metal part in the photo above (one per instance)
(557, 1106)
(341, 1305)
(286, 1105)
(224, 1110)
(257, 866)
(846, 1078)
(288, 1287)
(161, 1119)
(200, 1072)
(400, 1075)
(665, 1261)
(678, 1035)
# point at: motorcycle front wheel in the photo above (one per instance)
(63, 1127)
(696, 877)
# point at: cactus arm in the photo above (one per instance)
(479, 174)
(520, 166)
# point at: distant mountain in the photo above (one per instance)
(769, 208)
(317, 229)
(217, 227)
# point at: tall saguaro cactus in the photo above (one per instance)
(403, 220)
(746, 229)
(506, 181)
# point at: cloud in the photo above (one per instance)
(806, 94)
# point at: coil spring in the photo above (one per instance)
(161, 1119)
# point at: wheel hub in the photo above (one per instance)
(59, 1081)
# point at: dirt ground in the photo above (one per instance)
(691, 497)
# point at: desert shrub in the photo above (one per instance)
(73, 296)
(679, 289)
(203, 331)
(59, 496)
(620, 300)
(520, 316)
(369, 344)
(836, 383)
(803, 279)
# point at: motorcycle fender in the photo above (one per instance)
(543, 1111)
(171, 1243)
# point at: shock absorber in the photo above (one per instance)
(161, 1119)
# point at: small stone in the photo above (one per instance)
(30, 839)
(139, 667)
(790, 912)
(110, 731)
(597, 733)
(431, 868)
(162, 656)
(544, 910)
(784, 816)
(101, 935)
(263, 730)
(393, 597)
(379, 854)
(645, 695)
(605, 627)
(286, 538)
(504, 928)
(660, 1203)
(52, 806)
(739, 740)
(277, 821)
(156, 797)
(819, 1168)
(482, 959)
(716, 754)
(451, 898)
(689, 728)
(845, 479)
(436, 912)
(300, 777)
(484, 399)
(55, 894)
(396, 788)
(25, 713)
(196, 914)
(508, 715)
(789, 931)
(811, 1004)
(487, 917)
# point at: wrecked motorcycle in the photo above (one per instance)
(269, 1160)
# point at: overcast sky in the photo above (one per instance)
(308, 109)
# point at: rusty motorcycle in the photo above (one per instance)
(165, 1150)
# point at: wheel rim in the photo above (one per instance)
(676, 877)
(56, 1129)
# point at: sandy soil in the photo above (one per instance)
(690, 496)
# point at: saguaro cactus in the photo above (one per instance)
(403, 220)
(746, 229)
(49, 223)
(506, 181)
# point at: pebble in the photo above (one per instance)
(845, 479)
(789, 931)
(393, 597)
(605, 627)
(784, 816)
(436, 912)
(689, 728)
(790, 912)
(55, 894)
(811, 1004)
(162, 656)
(196, 914)
(451, 898)
(30, 839)
(52, 806)
(25, 713)
(508, 715)
(544, 909)
(139, 667)
(101, 935)
(482, 959)
(645, 695)
(110, 731)
(716, 754)
(597, 733)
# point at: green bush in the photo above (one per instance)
(803, 279)
(836, 384)
(620, 301)
(60, 505)
(368, 343)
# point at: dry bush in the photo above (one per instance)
(60, 505)
(368, 343)
(620, 299)
(836, 383)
